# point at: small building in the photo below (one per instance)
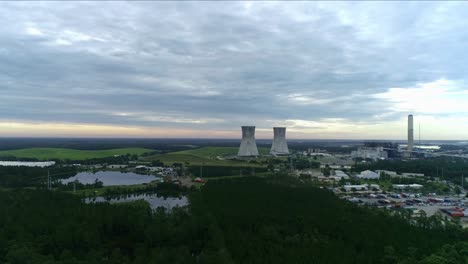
(169, 172)
(117, 166)
(314, 150)
(407, 186)
(361, 187)
(389, 173)
(341, 175)
(199, 180)
(335, 167)
(412, 174)
(329, 179)
(367, 174)
(156, 169)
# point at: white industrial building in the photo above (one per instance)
(407, 186)
(341, 175)
(248, 147)
(279, 146)
(412, 174)
(367, 174)
(370, 153)
(389, 173)
(361, 187)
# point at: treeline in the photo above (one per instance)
(164, 145)
(445, 168)
(305, 163)
(165, 189)
(218, 171)
(76, 185)
(22, 176)
(120, 159)
(14, 158)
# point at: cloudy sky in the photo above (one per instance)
(202, 69)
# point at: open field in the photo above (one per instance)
(214, 156)
(72, 154)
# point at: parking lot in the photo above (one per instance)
(429, 204)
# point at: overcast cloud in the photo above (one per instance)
(169, 69)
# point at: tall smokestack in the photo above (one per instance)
(410, 133)
(279, 146)
(248, 147)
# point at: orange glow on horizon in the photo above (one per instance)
(329, 130)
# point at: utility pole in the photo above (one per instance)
(291, 163)
(419, 135)
(463, 178)
(201, 171)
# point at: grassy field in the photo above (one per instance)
(207, 156)
(72, 154)
(213, 152)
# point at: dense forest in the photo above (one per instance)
(245, 220)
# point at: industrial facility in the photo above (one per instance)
(248, 147)
(279, 146)
(370, 153)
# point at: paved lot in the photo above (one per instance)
(428, 208)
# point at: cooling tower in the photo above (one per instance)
(279, 146)
(248, 147)
(410, 133)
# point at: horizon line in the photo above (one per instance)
(214, 138)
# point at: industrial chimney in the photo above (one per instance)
(410, 133)
(248, 147)
(279, 146)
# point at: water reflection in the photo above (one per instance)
(111, 178)
(153, 200)
(41, 164)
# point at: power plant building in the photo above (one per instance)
(370, 153)
(279, 146)
(248, 147)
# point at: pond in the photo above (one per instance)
(153, 200)
(111, 178)
(41, 164)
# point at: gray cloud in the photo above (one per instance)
(215, 65)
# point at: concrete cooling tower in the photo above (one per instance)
(248, 147)
(410, 133)
(279, 146)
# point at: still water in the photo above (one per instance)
(41, 164)
(111, 178)
(153, 200)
